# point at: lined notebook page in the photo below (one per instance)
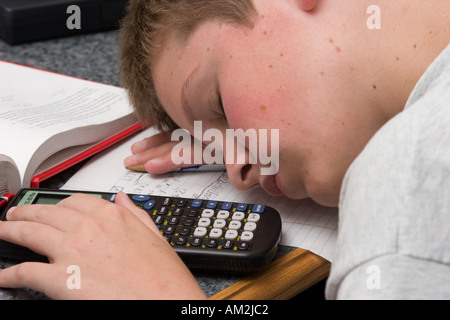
(305, 224)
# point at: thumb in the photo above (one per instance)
(123, 200)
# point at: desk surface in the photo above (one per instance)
(95, 57)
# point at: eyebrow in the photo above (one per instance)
(187, 108)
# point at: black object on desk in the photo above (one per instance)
(30, 20)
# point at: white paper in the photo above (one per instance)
(306, 224)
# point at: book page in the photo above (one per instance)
(36, 105)
(305, 223)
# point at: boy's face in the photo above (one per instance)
(270, 77)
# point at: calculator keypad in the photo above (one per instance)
(204, 224)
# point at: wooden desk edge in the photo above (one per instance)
(282, 279)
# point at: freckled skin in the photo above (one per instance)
(312, 73)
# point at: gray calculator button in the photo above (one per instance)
(238, 215)
(231, 234)
(246, 236)
(250, 226)
(223, 214)
(219, 223)
(215, 233)
(234, 225)
(253, 217)
(204, 222)
(208, 213)
(200, 232)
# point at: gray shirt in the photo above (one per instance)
(394, 223)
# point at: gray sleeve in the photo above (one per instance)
(395, 203)
(396, 277)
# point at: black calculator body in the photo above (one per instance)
(206, 234)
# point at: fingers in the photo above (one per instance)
(158, 158)
(27, 275)
(152, 142)
(35, 236)
(155, 153)
(123, 200)
(51, 215)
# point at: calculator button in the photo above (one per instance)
(243, 246)
(173, 220)
(211, 205)
(180, 240)
(113, 197)
(189, 222)
(241, 207)
(184, 231)
(200, 232)
(228, 244)
(212, 243)
(227, 205)
(238, 216)
(208, 213)
(223, 214)
(215, 233)
(204, 222)
(167, 201)
(219, 223)
(177, 212)
(258, 208)
(196, 242)
(253, 217)
(192, 213)
(163, 210)
(231, 234)
(180, 202)
(234, 225)
(169, 230)
(159, 220)
(246, 236)
(149, 205)
(250, 226)
(140, 197)
(196, 203)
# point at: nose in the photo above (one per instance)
(243, 175)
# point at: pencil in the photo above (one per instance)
(137, 168)
(203, 168)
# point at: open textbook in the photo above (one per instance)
(305, 224)
(50, 121)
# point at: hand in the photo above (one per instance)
(155, 154)
(119, 251)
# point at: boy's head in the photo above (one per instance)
(145, 28)
(319, 78)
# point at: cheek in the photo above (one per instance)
(258, 109)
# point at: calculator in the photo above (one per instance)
(206, 234)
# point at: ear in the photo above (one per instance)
(306, 5)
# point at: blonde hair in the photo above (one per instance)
(147, 24)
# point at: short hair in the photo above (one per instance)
(144, 28)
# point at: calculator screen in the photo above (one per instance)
(49, 198)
